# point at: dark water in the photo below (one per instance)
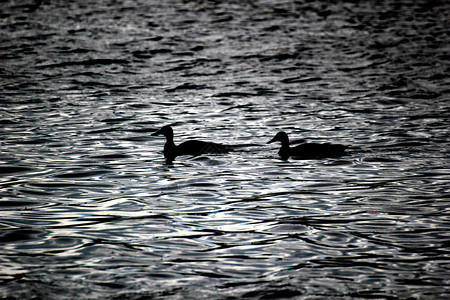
(90, 210)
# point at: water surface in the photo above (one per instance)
(89, 209)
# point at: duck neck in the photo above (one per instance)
(285, 149)
(170, 149)
(169, 142)
(285, 143)
(169, 136)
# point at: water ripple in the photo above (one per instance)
(91, 210)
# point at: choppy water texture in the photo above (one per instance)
(90, 210)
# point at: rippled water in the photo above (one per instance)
(89, 209)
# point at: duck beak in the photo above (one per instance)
(158, 132)
(272, 140)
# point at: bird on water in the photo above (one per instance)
(306, 150)
(191, 147)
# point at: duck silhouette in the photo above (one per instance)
(306, 150)
(191, 147)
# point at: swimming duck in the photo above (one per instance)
(191, 147)
(306, 150)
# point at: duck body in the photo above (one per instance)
(191, 147)
(307, 150)
(195, 148)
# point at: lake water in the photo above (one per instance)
(90, 210)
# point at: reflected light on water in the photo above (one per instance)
(90, 209)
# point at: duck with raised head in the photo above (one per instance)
(306, 150)
(191, 147)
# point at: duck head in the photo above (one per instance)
(167, 131)
(170, 150)
(280, 137)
